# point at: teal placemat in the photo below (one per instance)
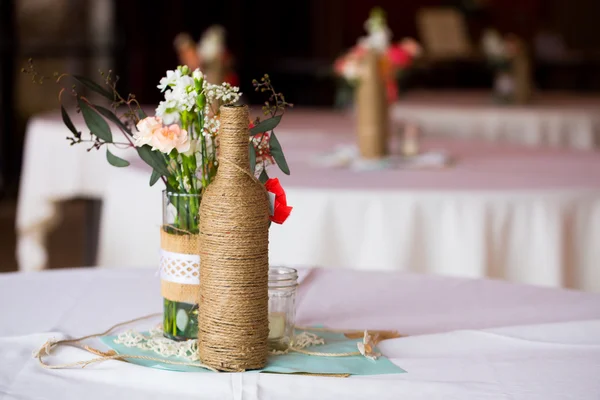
(286, 363)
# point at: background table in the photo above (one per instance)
(467, 339)
(552, 119)
(527, 215)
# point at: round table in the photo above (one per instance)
(501, 210)
(464, 339)
(551, 119)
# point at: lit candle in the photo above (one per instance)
(410, 144)
(276, 325)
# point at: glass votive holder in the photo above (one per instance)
(283, 283)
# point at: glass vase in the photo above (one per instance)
(180, 264)
(283, 283)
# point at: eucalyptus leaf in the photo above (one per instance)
(277, 153)
(90, 84)
(252, 156)
(141, 114)
(154, 177)
(154, 159)
(266, 125)
(97, 125)
(263, 177)
(67, 120)
(116, 161)
(108, 114)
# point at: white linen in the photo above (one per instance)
(53, 171)
(467, 339)
(494, 214)
(552, 119)
(530, 216)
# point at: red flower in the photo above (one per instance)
(280, 208)
(399, 56)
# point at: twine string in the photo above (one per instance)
(233, 306)
(50, 344)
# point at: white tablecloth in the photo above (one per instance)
(527, 215)
(467, 339)
(552, 119)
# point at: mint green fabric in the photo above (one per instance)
(287, 363)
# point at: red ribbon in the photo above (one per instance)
(281, 209)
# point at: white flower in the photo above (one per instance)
(493, 44)
(146, 128)
(224, 92)
(378, 40)
(188, 187)
(350, 70)
(198, 75)
(212, 44)
(194, 148)
(170, 80)
(168, 110)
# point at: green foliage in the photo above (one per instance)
(116, 161)
(108, 114)
(154, 177)
(266, 125)
(67, 120)
(96, 124)
(154, 159)
(277, 153)
(90, 84)
(252, 156)
(263, 177)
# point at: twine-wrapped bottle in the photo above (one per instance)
(521, 70)
(372, 109)
(233, 306)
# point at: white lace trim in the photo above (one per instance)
(180, 268)
(155, 341)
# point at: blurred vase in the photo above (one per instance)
(372, 109)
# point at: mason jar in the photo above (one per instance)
(283, 283)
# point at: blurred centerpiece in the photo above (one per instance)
(210, 55)
(370, 71)
(508, 58)
(395, 58)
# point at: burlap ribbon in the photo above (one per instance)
(372, 109)
(175, 270)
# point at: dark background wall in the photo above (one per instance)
(294, 41)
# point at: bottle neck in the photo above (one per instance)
(234, 138)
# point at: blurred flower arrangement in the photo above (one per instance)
(501, 53)
(210, 55)
(396, 58)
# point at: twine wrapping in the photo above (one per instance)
(372, 109)
(171, 289)
(521, 70)
(233, 308)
